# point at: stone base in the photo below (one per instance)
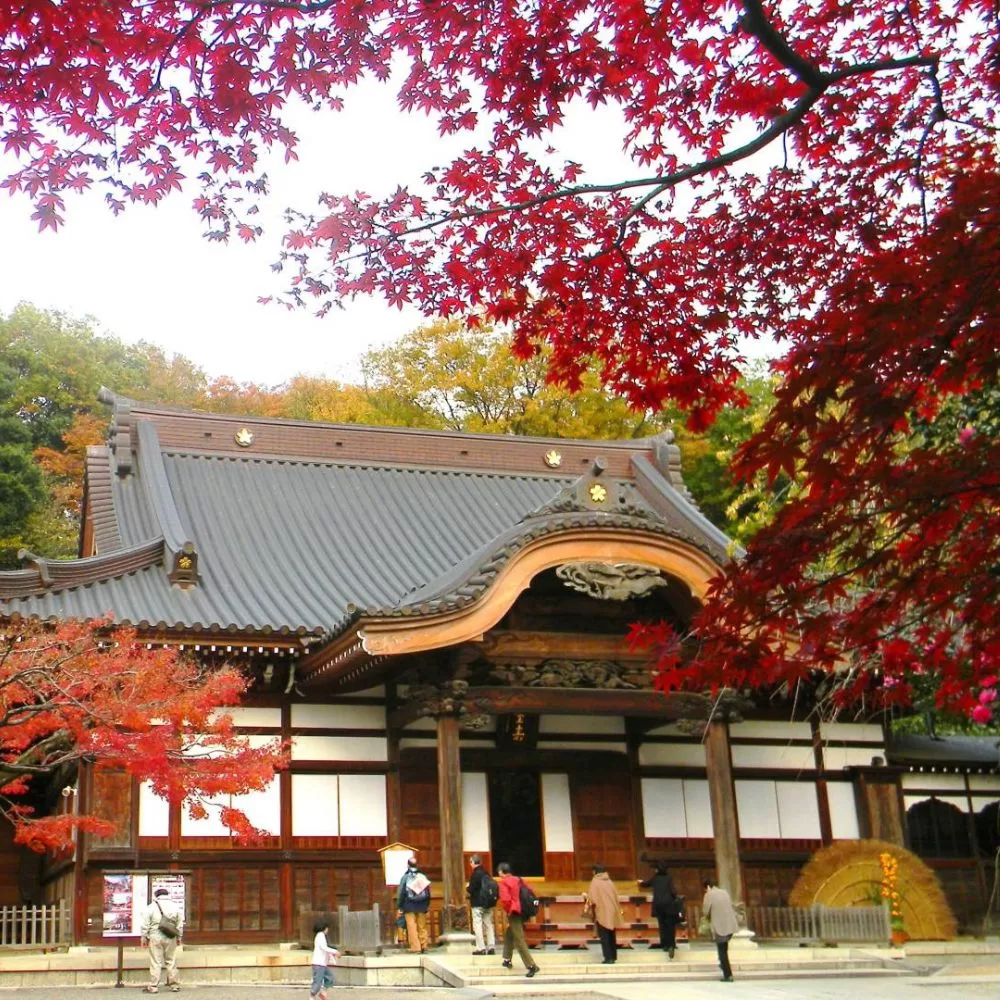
(456, 943)
(743, 940)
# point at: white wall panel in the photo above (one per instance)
(315, 805)
(475, 812)
(698, 808)
(334, 748)
(582, 724)
(757, 729)
(667, 754)
(154, 813)
(663, 807)
(934, 782)
(757, 807)
(984, 782)
(362, 806)
(851, 732)
(843, 810)
(263, 808)
(557, 814)
(211, 825)
(836, 758)
(375, 692)
(338, 716)
(670, 729)
(798, 810)
(425, 725)
(795, 758)
(251, 718)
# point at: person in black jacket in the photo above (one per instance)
(482, 908)
(665, 907)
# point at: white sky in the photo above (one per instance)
(149, 274)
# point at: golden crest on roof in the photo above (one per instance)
(598, 494)
(244, 437)
(553, 459)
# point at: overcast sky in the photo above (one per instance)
(149, 274)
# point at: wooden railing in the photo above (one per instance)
(813, 924)
(35, 926)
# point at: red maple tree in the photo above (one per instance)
(819, 173)
(80, 694)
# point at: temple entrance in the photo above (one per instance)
(515, 802)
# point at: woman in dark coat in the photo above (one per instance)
(665, 907)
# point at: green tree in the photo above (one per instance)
(22, 489)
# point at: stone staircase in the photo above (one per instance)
(567, 967)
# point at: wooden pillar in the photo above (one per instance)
(879, 797)
(454, 915)
(633, 743)
(722, 794)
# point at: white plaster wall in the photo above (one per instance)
(698, 808)
(315, 805)
(334, 748)
(210, 825)
(843, 810)
(251, 718)
(795, 758)
(798, 810)
(984, 782)
(154, 813)
(263, 808)
(582, 724)
(426, 725)
(670, 729)
(475, 812)
(663, 812)
(851, 732)
(338, 717)
(757, 808)
(667, 754)
(935, 782)
(375, 692)
(557, 813)
(837, 757)
(363, 810)
(758, 729)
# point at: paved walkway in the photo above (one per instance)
(936, 987)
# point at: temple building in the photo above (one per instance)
(436, 622)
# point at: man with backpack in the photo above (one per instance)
(516, 898)
(483, 893)
(413, 900)
(162, 928)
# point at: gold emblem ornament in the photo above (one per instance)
(553, 459)
(184, 562)
(244, 437)
(598, 493)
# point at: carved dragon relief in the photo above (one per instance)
(598, 674)
(453, 697)
(610, 581)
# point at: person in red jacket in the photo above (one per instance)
(510, 900)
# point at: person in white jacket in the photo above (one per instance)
(162, 947)
(718, 907)
(322, 956)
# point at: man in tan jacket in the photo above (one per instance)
(717, 907)
(601, 902)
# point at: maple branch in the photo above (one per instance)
(754, 22)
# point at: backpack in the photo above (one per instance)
(168, 924)
(423, 894)
(489, 892)
(528, 900)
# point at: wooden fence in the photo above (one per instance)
(814, 924)
(35, 926)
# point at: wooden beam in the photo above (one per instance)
(722, 796)
(454, 915)
(588, 701)
(505, 647)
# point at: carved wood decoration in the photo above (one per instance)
(597, 674)
(610, 581)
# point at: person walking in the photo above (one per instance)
(162, 929)
(323, 955)
(413, 900)
(717, 907)
(665, 906)
(510, 900)
(483, 893)
(602, 903)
